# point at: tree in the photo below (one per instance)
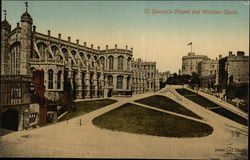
(67, 102)
(66, 99)
(195, 80)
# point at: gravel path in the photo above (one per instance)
(88, 141)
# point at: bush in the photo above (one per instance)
(67, 102)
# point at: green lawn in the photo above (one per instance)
(168, 104)
(204, 102)
(230, 115)
(136, 119)
(87, 106)
(210, 105)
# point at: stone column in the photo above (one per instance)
(55, 79)
(115, 81)
(130, 83)
(115, 63)
(143, 85)
(87, 85)
(46, 79)
(70, 77)
(62, 80)
(137, 85)
(95, 85)
(102, 83)
(125, 64)
(124, 85)
(106, 63)
(79, 85)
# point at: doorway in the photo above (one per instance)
(10, 119)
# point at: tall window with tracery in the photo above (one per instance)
(59, 79)
(102, 62)
(129, 63)
(15, 59)
(111, 62)
(128, 82)
(119, 82)
(50, 79)
(110, 80)
(43, 49)
(120, 63)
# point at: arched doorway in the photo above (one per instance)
(110, 93)
(9, 119)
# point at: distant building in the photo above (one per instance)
(207, 70)
(164, 76)
(145, 76)
(233, 69)
(190, 63)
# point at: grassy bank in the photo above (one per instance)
(87, 106)
(136, 119)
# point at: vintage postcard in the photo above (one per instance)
(124, 79)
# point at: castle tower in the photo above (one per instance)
(5, 31)
(26, 42)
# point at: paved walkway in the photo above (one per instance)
(88, 141)
(168, 112)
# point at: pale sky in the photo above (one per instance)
(154, 37)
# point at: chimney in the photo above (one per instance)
(18, 25)
(69, 38)
(48, 32)
(107, 47)
(126, 47)
(59, 36)
(230, 53)
(92, 46)
(220, 56)
(77, 41)
(132, 49)
(84, 44)
(98, 48)
(115, 46)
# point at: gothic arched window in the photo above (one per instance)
(59, 79)
(73, 53)
(50, 79)
(81, 55)
(43, 49)
(110, 80)
(120, 63)
(15, 59)
(119, 82)
(56, 53)
(102, 60)
(65, 52)
(111, 62)
(129, 63)
(89, 56)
